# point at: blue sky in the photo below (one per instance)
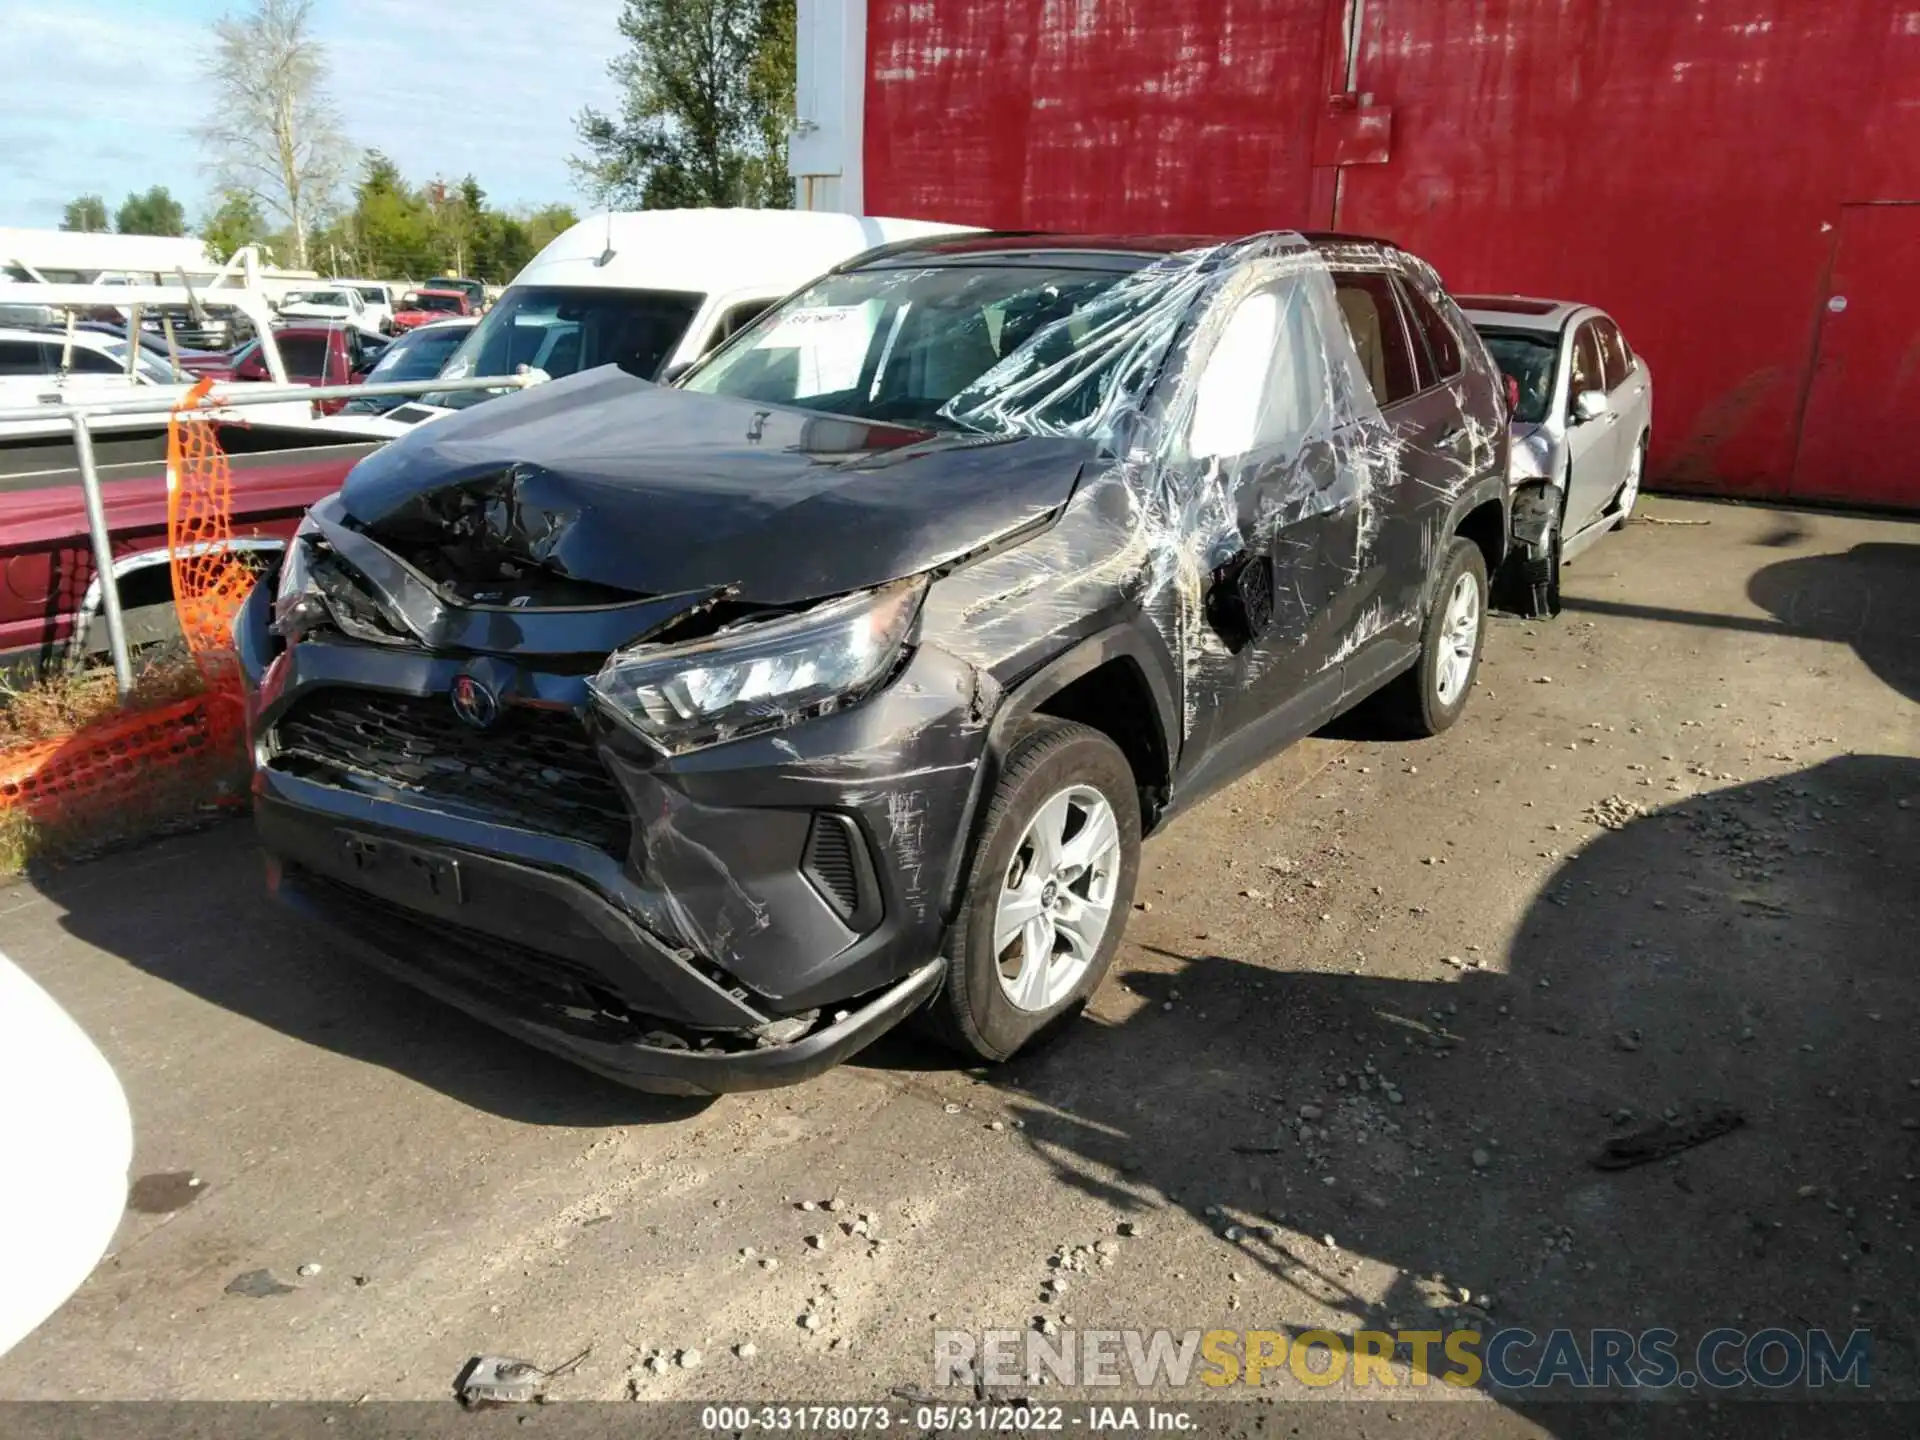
(102, 95)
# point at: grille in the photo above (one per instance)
(837, 864)
(535, 769)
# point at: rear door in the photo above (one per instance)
(1387, 566)
(1592, 445)
(1629, 393)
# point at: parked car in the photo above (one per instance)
(418, 354)
(702, 733)
(651, 292)
(378, 299)
(341, 304)
(474, 290)
(87, 365)
(314, 354)
(423, 307)
(152, 344)
(1582, 419)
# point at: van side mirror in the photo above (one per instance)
(1589, 405)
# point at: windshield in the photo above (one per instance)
(445, 304)
(417, 355)
(317, 297)
(372, 294)
(901, 345)
(1528, 360)
(562, 329)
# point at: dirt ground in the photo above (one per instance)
(1380, 1005)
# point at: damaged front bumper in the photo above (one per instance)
(731, 918)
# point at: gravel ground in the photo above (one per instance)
(1379, 1007)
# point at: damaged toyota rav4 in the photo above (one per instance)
(704, 732)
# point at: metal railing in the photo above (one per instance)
(81, 416)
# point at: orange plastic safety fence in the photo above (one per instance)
(129, 762)
(109, 764)
(210, 580)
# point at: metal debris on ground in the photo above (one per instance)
(1668, 1137)
(500, 1380)
(1662, 520)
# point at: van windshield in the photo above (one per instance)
(562, 329)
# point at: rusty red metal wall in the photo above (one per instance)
(1683, 165)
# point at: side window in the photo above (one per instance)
(1265, 384)
(1436, 332)
(737, 319)
(1379, 337)
(305, 356)
(1613, 350)
(1231, 398)
(1589, 369)
(92, 362)
(24, 357)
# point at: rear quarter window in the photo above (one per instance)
(1379, 336)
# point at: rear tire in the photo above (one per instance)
(1052, 878)
(1431, 696)
(1629, 493)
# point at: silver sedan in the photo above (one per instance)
(1582, 414)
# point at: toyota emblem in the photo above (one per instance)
(474, 704)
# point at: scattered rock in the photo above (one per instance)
(809, 1205)
(1481, 1159)
(809, 1321)
(1106, 1247)
(690, 1359)
(836, 1205)
(1311, 1112)
(746, 1349)
(309, 1269)
(769, 1263)
(1129, 1229)
(258, 1285)
(818, 1242)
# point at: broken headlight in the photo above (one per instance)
(761, 675)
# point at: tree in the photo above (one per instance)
(88, 213)
(706, 93)
(154, 213)
(236, 222)
(391, 225)
(275, 137)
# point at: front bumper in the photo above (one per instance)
(701, 943)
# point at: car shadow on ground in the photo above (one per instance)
(1751, 947)
(1867, 597)
(194, 911)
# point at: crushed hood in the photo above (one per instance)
(610, 480)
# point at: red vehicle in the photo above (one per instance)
(49, 587)
(419, 307)
(318, 354)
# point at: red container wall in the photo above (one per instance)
(1683, 165)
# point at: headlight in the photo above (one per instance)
(298, 604)
(1527, 460)
(760, 675)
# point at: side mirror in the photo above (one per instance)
(1589, 405)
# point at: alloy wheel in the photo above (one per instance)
(1459, 636)
(1056, 898)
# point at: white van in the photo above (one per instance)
(650, 291)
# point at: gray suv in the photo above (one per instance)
(704, 732)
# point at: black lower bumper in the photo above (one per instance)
(526, 993)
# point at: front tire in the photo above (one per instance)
(1047, 895)
(1432, 695)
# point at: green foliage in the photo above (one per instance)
(87, 213)
(400, 230)
(237, 221)
(154, 213)
(706, 97)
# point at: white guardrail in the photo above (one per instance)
(220, 397)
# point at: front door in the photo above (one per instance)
(1594, 470)
(1864, 404)
(1265, 492)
